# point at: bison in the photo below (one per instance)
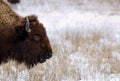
(23, 39)
(13, 1)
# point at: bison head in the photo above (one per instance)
(31, 44)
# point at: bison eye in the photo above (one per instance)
(36, 37)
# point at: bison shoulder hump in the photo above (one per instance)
(7, 15)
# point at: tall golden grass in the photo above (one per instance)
(78, 55)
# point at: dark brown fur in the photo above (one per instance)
(18, 44)
(13, 1)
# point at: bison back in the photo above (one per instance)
(7, 15)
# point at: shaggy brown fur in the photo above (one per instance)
(7, 16)
(13, 1)
(18, 44)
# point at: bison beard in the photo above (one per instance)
(24, 40)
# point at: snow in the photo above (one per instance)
(23, 76)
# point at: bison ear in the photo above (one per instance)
(21, 32)
(22, 29)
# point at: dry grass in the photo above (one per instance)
(77, 55)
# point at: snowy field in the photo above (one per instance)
(85, 37)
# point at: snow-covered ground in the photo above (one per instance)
(85, 37)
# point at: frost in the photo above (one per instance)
(23, 76)
(14, 69)
(116, 55)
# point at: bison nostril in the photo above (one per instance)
(48, 55)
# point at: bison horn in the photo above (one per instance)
(27, 26)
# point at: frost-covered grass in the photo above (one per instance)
(86, 47)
